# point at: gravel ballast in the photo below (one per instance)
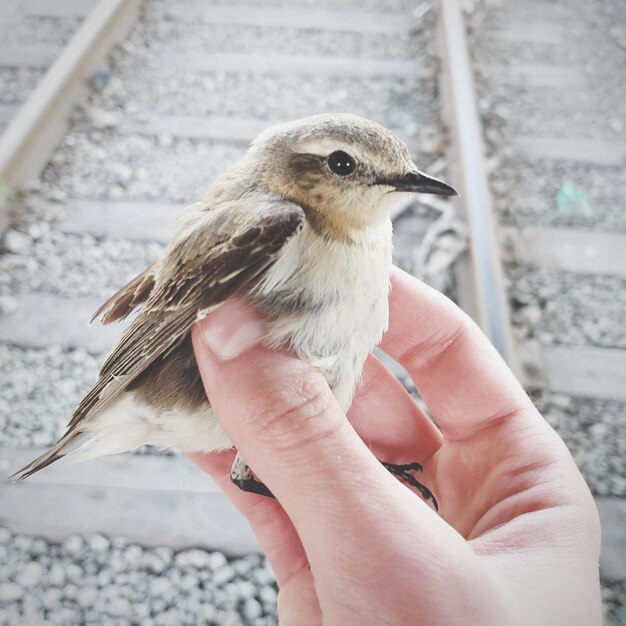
(58, 263)
(595, 433)
(279, 98)
(40, 390)
(567, 308)
(96, 581)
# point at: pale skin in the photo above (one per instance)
(517, 536)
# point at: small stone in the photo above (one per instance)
(223, 575)
(70, 591)
(188, 582)
(216, 560)
(16, 242)
(153, 563)
(243, 566)
(209, 613)
(31, 575)
(263, 576)
(160, 586)
(40, 547)
(56, 575)
(98, 543)
(599, 430)
(86, 597)
(74, 573)
(166, 141)
(51, 597)
(132, 555)
(245, 589)
(10, 592)
(194, 558)
(268, 594)
(168, 618)
(73, 545)
(8, 304)
(101, 118)
(41, 438)
(5, 535)
(230, 618)
(118, 607)
(252, 609)
(23, 543)
(32, 610)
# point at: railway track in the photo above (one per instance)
(107, 148)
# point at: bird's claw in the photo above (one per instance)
(402, 472)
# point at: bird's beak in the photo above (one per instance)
(417, 181)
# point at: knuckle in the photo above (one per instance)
(298, 410)
(441, 342)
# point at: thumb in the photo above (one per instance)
(281, 415)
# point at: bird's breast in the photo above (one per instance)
(328, 301)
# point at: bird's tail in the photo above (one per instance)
(68, 443)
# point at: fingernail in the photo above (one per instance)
(231, 330)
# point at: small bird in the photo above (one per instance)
(300, 228)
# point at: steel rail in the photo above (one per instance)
(480, 279)
(37, 127)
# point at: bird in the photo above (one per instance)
(299, 228)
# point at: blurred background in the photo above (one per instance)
(115, 114)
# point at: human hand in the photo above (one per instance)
(517, 537)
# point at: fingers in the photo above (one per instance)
(271, 525)
(458, 373)
(389, 421)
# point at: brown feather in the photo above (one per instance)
(122, 303)
(197, 280)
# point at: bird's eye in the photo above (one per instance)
(341, 163)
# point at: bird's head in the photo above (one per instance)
(344, 170)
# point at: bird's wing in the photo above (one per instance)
(130, 296)
(219, 256)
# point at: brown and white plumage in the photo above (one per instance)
(308, 247)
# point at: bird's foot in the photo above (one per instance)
(402, 472)
(241, 475)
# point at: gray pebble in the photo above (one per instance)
(153, 563)
(245, 589)
(223, 575)
(118, 607)
(9, 592)
(74, 573)
(99, 543)
(132, 556)
(263, 576)
(87, 596)
(56, 575)
(216, 560)
(51, 597)
(194, 558)
(599, 430)
(252, 609)
(16, 242)
(160, 587)
(5, 535)
(31, 575)
(268, 594)
(73, 545)
(23, 542)
(32, 610)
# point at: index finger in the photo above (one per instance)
(459, 374)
